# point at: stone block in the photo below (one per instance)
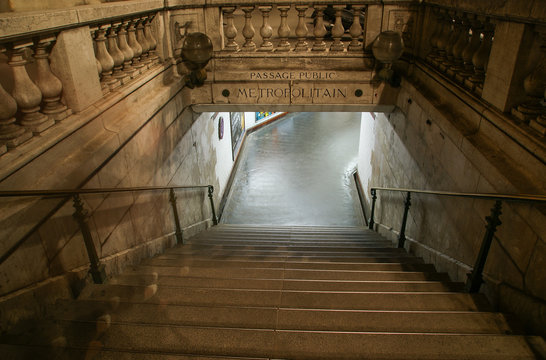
(116, 9)
(15, 272)
(71, 255)
(109, 214)
(120, 233)
(505, 73)
(12, 24)
(73, 61)
(535, 277)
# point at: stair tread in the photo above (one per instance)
(296, 343)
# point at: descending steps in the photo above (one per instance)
(236, 292)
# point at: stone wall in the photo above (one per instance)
(148, 138)
(424, 145)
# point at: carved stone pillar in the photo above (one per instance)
(460, 45)
(284, 29)
(443, 38)
(469, 51)
(320, 30)
(480, 60)
(301, 29)
(11, 133)
(534, 86)
(338, 30)
(248, 29)
(230, 31)
(117, 54)
(436, 30)
(145, 57)
(355, 30)
(49, 84)
(447, 60)
(539, 124)
(266, 31)
(154, 58)
(128, 53)
(105, 59)
(25, 92)
(135, 46)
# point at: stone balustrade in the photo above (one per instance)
(460, 46)
(35, 74)
(301, 27)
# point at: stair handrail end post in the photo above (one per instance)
(96, 268)
(475, 278)
(211, 192)
(402, 236)
(372, 212)
(178, 229)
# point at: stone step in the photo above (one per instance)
(295, 274)
(310, 245)
(287, 284)
(284, 318)
(334, 249)
(398, 301)
(225, 272)
(220, 251)
(294, 344)
(275, 261)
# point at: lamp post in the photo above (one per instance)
(387, 48)
(196, 53)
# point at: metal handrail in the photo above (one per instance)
(71, 192)
(81, 215)
(506, 197)
(475, 278)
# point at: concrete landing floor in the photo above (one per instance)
(297, 171)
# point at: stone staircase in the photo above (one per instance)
(236, 292)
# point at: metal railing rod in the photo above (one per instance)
(72, 192)
(504, 197)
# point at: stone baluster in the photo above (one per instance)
(49, 84)
(11, 133)
(436, 30)
(105, 59)
(447, 24)
(539, 124)
(248, 29)
(145, 57)
(460, 45)
(134, 44)
(284, 29)
(338, 30)
(230, 30)
(469, 51)
(355, 30)
(447, 60)
(320, 29)
(128, 53)
(534, 86)
(266, 31)
(116, 54)
(25, 92)
(480, 60)
(301, 29)
(151, 39)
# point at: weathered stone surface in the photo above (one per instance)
(122, 8)
(20, 23)
(73, 61)
(505, 73)
(535, 278)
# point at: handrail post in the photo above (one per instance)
(81, 215)
(402, 236)
(374, 198)
(214, 218)
(475, 278)
(178, 229)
